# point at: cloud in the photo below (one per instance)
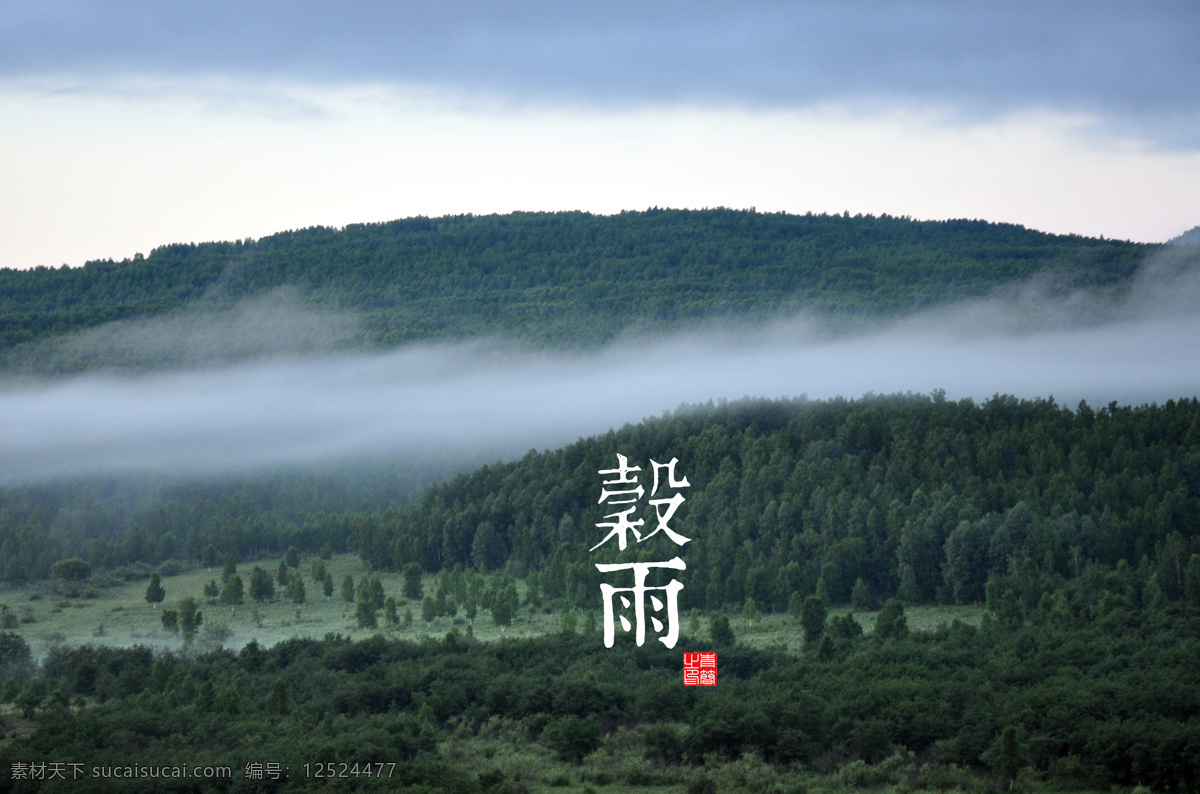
(1134, 68)
(487, 400)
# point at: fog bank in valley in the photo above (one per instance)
(492, 400)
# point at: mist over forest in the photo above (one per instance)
(258, 371)
(876, 415)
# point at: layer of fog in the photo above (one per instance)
(207, 332)
(489, 400)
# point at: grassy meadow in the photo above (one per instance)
(118, 615)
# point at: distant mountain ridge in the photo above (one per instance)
(567, 279)
(1190, 237)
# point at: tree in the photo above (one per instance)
(16, 660)
(292, 557)
(190, 619)
(170, 620)
(812, 619)
(860, 596)
(371, 585)
(719, 630)
(295, 588)
(327, 585)
(389, 611)
(71, 570)
(967, 563)
(318, 569)
(262, 588)
(277, 700)
(572, 737)
(1005, 755)
(823, 593)
(365, 611)
(505, 604)
(412, 581)
(568, 622)
(212, 591)
(348, 589)
(428, 609)
(890, 623)
(233, 592)
(281, 573)
(206, 699)
(155, 592)
(750, 611)
(230, 568)
(844, 627)
(1192, 581)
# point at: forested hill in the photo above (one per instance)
(565, 278)
(907, 495)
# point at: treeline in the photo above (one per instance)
(123, 522)
(557, 278)
(1099, 687)
(912, 496)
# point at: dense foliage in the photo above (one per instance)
(1097, 687)
(909, 495)
(559, 279)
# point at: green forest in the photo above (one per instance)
(1063, 542)
(557, 279)
(1075, 528)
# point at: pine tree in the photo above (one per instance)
(190, 619)
(412, 581)
(348, 589)
(1192, 580)
(860, 596)
(812, 619)
(568, 622)
(719, 631)
(295, 589)
(206, 700)
(751, 612)
(155, 592)
(230, 568)
(365, 611)
(262, 588)
(234, 592)
(327, 585)
(277, 700)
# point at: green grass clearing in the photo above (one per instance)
(120, 616)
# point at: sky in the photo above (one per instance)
(133, 125)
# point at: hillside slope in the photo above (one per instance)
(558, 279)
